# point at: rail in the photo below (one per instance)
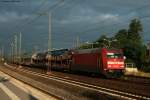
(107, 91)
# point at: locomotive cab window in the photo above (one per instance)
(114, 55)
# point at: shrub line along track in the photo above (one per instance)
(100, 89)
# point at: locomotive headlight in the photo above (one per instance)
(121, 66)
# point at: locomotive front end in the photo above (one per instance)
(113, 63)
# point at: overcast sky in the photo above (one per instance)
(86, 19)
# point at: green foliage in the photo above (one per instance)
(122, 38)
(102, 41)
(134, 31)
(135, 27)
(130, 41)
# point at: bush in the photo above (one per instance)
(146, 69)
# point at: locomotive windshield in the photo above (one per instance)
(114, 55)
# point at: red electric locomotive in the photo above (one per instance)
(101, 61)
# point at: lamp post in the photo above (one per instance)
(12, 52)
(20, 53)
(50, 30)
(49, 42)
(15, 48)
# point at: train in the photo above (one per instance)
(101, 61)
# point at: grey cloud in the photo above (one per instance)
(92, 17)
(8, 17)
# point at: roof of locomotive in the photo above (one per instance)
(94, 50)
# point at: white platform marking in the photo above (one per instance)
(28, 89)
(9, 92)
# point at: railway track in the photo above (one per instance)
(136, 80)
(126, 79)
(108, 91)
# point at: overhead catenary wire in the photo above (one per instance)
(27, 20)
(124, 13)
(20, 26)
(37, 15)
(113, 25)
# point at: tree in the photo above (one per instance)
(130, 41)
(134, 35)
(135, 27)
(134, 31)
(101, 41)
(122, 38)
